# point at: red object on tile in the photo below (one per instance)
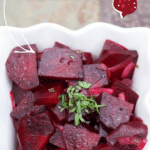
(125, 7)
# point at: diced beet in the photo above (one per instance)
(87, 58)
(73, 83)
(22, 68)
(127, 82)
(86, 93)
(12, 97)
(38, 57)
(102, 131)
(35, 131)
(132, 129)
(128, 71)
(101, 90)
(99, 83)
(37, 110)
(128, 143)
(24, 107)
(48, 95)
(142, 144)
(115, 112)
(134, 118)
(112, 45)
(57, 115)
(58, 149)
(116, 70)
(121, 95)
(60, 45)
(102, 147)
(93, 74)
(19, 93)
(56, 125)
(57, 139)
(114, 57)
(61, 63)
(130, 95)
(79, 139)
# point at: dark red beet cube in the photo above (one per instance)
(112, 45)
(127, 82)
(93, 74)
(128, 143)
(57, 139)
(115, 112)
(128, 129)
(79, 139)
(48, 95)
(24, 107)
(134, 118)
(35, 131)
(102, 131)
(22, 68)
(60, 45)
(19, 93)
(73, 83)
(61, 63)
(102, 147)
(130, 95)
(87, 58)
(57, 115)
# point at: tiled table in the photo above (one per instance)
(72, 14)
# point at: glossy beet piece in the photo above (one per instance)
(116, 111)
(22, 68)
(24, 106)
(57, 115)
(128, 143)
(128, 71)
(134, 118)
(122, 96)
(35, 131)
(130, 95)
(61, 63)
(93, 74)
(79, 139)
(19, 93)
(60, 45)
(87, 58)
(127, 82)
(57, 139)
(142, 144)
(102, 131)
(132, 129)
(113, 45)
(125, 7)
(48, 95)
(102, 147)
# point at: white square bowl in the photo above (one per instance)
(90, 38)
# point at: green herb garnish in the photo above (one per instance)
(78, 52)
(24, 79)
(78, 102)
(137, 66)
(51, 90)
(136, 141)
(71, 56)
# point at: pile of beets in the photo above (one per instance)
(39, 79)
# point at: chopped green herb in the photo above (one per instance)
(24, 79)
(136, 141)
(137, 66)
(83, 84)
(78, 52)
(51, 90)
(71, 56)
(33, 83)
(103, 76)
(78, 102)
(25, 102)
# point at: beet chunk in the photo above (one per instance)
(128, 143)
(57, 139)
(61, 63)
(87, 58)
(93, 74)
(57, 115)
(112, 45)
(128, 129)
(127, 82)
(22, 68)
(116, 111)
(60, 45)
(79, 139)
(35, 131)
(48, 95)
(19, 93)
(102, 147)
(130, 95)
(24, 107)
